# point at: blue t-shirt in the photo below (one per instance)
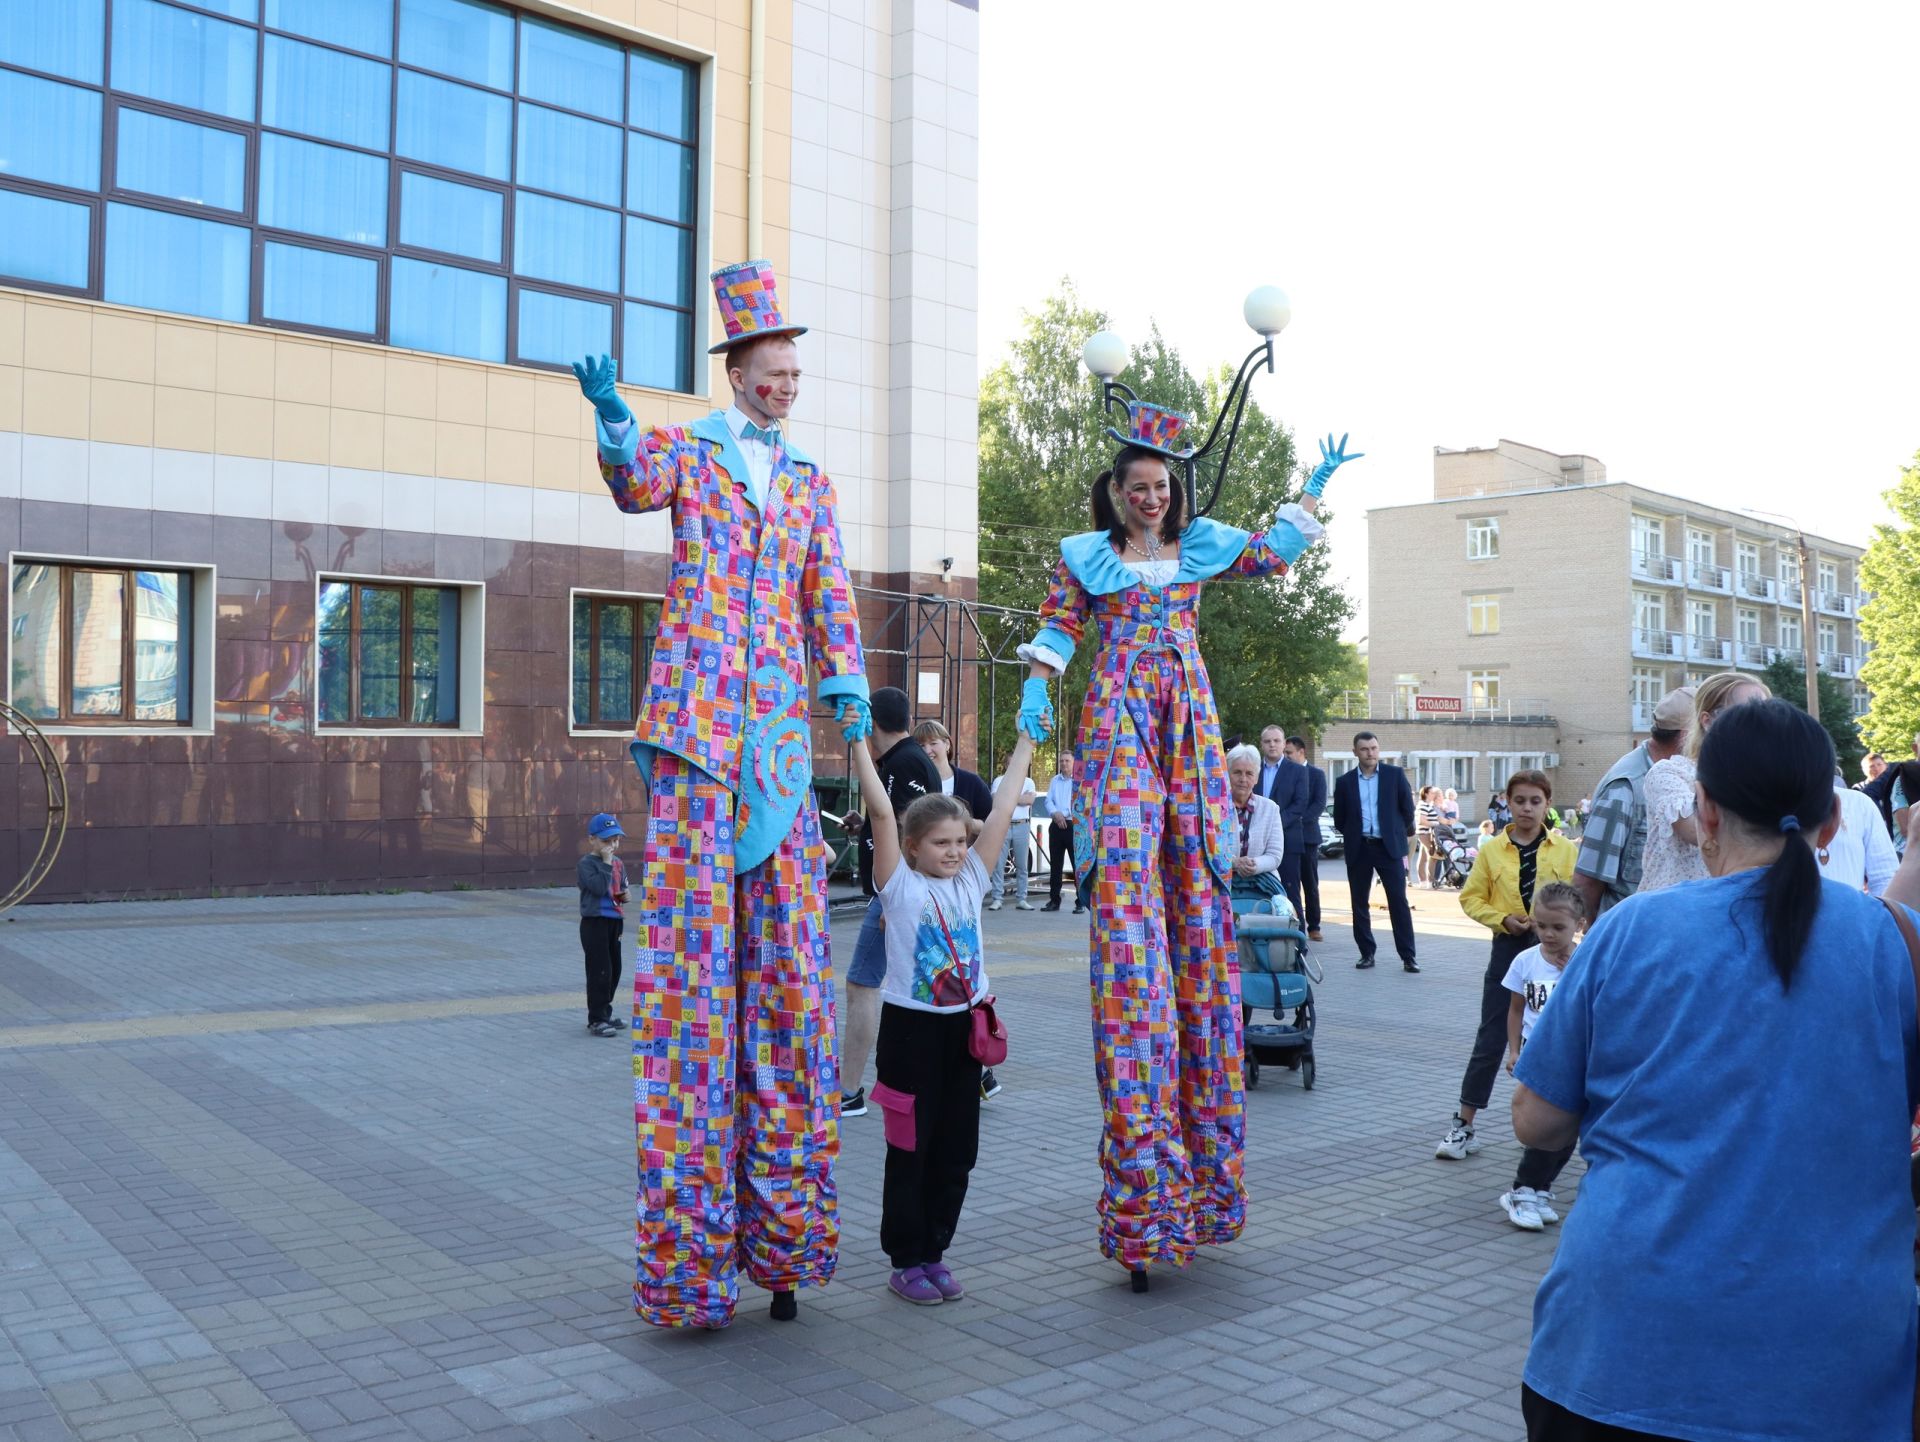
(1740, 1265)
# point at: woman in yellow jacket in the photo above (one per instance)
(1499, 895)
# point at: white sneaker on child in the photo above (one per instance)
(1522, 1209)
(1543, 1204)
(1458, 1142)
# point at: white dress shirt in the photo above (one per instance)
(1861, 853)
(1060, 797)
(759, 453)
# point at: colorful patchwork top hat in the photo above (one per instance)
(1155, 428)
(749, 298)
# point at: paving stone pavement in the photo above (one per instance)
(350, 1168)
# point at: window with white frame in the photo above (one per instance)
(1338, 766)
(1461, 779)
(1699, 547)
(1829, 576)
(1406, 686)
(1483, 538)
(1829, 640)
(1746, 557)
(1790, 632)
(611, 638)
(393, 654)
(1483, 615)
(1649, 685)
(1649, 611)
(1649, 536)
(1789, 567)
(1700, 618)
(1747, 626)
(1427, 770)
(1483, 690)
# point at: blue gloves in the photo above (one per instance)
(1332, 457)
(596, 384)
(855, 718)
(1036, 709)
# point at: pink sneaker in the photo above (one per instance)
(949, 1285)
(911, 1284)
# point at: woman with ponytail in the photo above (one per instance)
(1738, 1060)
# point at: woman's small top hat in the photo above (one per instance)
(604, 825)
(749, 298)
(1155, 428)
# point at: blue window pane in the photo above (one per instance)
(568, 154)
(43, 240)
(660, 177)
(183, 58)
(49, 131)
(238, 9)
(659, 262)
(457, 219)
(573, 244)
(357, 24)
(581, 72)
(455, 126)
(662, 96)
(64, 39)
(174, 262)
(195, 163)
(319, 287)
(449, 310)
(322, 92)
(457, 37)
(323, 190)
(655, 352)
(559, 328)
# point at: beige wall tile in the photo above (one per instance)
(186, 355)
(356, 439)
(779, 20)
(460, 394)
(122, 412)
(59, 337)
(54, 403)
(182, 419)
(303, 372)
(730, 98)
(409, 445)
(509, 401)
(779, 108)
(459, 452)
(244, 365)
(692, 29)
(556, 464)
(359, 380)
(658, 17)
(509, 457)
(729, 234)
(301, 432)
(559, 410)
(13, 328)
(410, 387)
(123, 346)
(243, 426)
(12, 380)
(620, 12)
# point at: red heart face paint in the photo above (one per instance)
(763, 391)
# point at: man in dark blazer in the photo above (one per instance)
(1300, 868)
(1284, 782)
(1373, 812)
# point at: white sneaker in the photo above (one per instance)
(1023, 905)
(1458, 1143)
(993, 904)
(1522, 1209)
(1543, 1204)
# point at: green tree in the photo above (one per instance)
(1272, 646)
(1891, 621)
(1789, 682)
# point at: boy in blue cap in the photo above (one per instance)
(603, 887)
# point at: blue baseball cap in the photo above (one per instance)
(604, 825)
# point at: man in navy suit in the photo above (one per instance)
(1300, 870)
(1284, 782)
(1373, 812)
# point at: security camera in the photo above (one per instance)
(946, 564)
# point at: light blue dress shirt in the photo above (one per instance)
(1370, 803)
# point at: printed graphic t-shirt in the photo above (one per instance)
(931, 966)
(1534, 977)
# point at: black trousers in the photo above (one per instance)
(1538, 1169)
(924, 1055)
(1550, 1422)
(1059, 854)
(1364, 862)
(600, 940)
(1300, 877)
(1490, 1042)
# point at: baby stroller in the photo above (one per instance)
(1452, 856)
(1276, 977)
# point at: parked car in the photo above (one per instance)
(1330, 842)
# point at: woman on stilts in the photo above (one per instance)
(1165, 989)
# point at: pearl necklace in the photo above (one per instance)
(1152, 551)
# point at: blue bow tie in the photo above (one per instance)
(771, 435)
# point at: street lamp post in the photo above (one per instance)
(1267, 312)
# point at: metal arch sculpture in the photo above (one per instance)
(54, 775)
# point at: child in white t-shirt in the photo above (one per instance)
(929, 1079)
(1558, 914)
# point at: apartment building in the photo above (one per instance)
(1533, 612)
(312, 577)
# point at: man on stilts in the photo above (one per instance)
(735, 1083)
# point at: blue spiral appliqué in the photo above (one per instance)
(782, 760)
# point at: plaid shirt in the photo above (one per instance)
(1603, 841)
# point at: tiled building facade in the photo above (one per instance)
(304, 607)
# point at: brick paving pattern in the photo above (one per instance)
(351, 1169)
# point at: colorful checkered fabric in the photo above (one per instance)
(748, 295)
(736, 1090)
(1155, 426)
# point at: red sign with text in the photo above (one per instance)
(1438, 705)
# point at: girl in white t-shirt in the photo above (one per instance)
(929, 1079)
(1558, 914)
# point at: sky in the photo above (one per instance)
(1682, 238)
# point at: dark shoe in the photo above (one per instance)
(1078, 909)
(1051, 906)
(1313, 933)
(855, 1105)
(1139, 1279)
(1363, 964)
(785, 1307)
(989, 1084)
(603, 1028)
(616, 1023)
(1412, 966)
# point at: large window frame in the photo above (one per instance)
(405, 680)
(646, 619)
(625, 213)
(1483, 538)
(1483, 615)
(129, 572)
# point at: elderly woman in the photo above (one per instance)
(1738, 1061)
(1260, 840)
(1672, 852)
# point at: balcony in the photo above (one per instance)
(1398, 705)
(1793, 655)
(1840, 664)
(1789, 593)
(1715, 650)
(1648, 566)
(1705, 576)
(1752, 586)
(1658, 645)
(1749, 656)
(1833, 603)
(1643, 716)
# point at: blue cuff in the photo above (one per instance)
(1286, 541)
(1054, 639)
(832, 688)
(622, 451)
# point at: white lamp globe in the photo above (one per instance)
(1267, 309)
(1105, 354)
